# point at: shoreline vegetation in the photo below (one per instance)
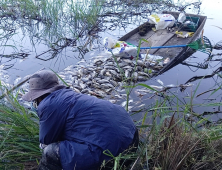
(171, 136)
(168, 139)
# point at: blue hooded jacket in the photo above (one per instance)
(85, 126)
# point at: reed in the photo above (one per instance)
(19, 131)
(168, 140)
(172, 135)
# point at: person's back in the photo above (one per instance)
(81, 128)
(88, 121)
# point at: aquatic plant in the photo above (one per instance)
(63, 23)
(172, 135)
(169, 139)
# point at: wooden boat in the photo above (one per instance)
(165, 38)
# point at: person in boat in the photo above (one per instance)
(77, 131)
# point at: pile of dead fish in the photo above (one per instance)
(104, 74)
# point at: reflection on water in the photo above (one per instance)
(61, 37)
(54, 39)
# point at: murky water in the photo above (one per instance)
(182, 73)
(115, 29)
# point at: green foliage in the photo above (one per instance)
(19, 135)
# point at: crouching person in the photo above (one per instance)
(75, 128)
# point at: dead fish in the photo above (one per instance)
(96, 85)
(160, 82)
(98, 62)
(144, 90)
(167, 60)
(81, 71)
(140, 63)
(76, 81)
(123, 104)
(82, 61)
(128, 61)
(93, 74)
(17, 80)
(75, 73)
(69, 68)
(127, 67)
(27, 104)
(135, 76)
(153, 64)
(143, 74)
(113, 83)
(127, 73)
(94, 93)
(108, 90)
(96, 79)
(142, 78)
(123, 64)
(91, 68)
(110, 68)
(107, 86)
(62, 76)
(113, 72)
(100, 92)
(118, 96)
(157, 87)
(76, 90)
(89, 83)
(82, 85)
(107, 73)
(142, 105)
(76, 86)
(139, 68)
(147, 64)
(110, 59)
(186, 85)
(158, 67)
(130, 108)
(68, 81)
(110, 64)
(170, 85)
(112, 101)
(85, 91)
(102, 81)
(102, 72)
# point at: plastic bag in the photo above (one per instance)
(120, 48)
(161, 21)
(181, 17)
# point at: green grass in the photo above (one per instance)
(19, 135)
